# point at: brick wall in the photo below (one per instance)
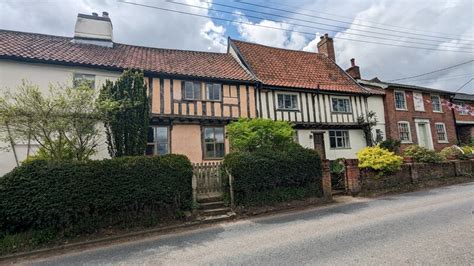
(392, 116)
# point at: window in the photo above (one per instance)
(341, 105)
(192, 90)
(213, 142)
(84, 79)
(288, 101)
(400, 101)
(463, 109)
(404, 131)
(418, 101)
(339, 139)
(213, 91)
(436, 103)
(157, 141)
(441, 131)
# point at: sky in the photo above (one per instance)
(355, 25)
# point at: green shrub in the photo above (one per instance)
(268, 176)
(453, 152)
(422, 154)
(392, 145)
(468, 150)
(76, 197)
(379, 159)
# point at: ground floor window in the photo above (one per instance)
(339, 139)
(404, 131)
(213, 138)
(158, 141)
(441, 131)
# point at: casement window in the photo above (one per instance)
(213, 91)
(287, 101)
(192, 90)
(436, 103)
(84, 79)
(213, 142)
(339, 139)
(441, 132)
(418, 101)
(404, 132)
(400, 100)
(341, 105)
(158, 141)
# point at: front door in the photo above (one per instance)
(424, 134)
(423, 142)
(318, 138)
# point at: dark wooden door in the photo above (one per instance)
(319, 144)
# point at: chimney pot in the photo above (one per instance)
(354, 70)
(95, 14)
(353, 62)
(326, 46)
(105, 14)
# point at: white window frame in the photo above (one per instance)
(349, 106)
(409, 132)
(439, 101)
(213, 89)
(194, 98)
(156, 142)
(404, 100)
(422, 109)
(288, 94)
(445, 140)
(463, 110)
(77, 77)
(345, 139)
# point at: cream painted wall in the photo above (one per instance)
(11, 75)
(375, 104)
(356, 140)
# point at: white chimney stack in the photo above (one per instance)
(94, 29)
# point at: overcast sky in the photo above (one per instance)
(433, 24)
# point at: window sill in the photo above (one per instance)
(335, 149)
(340, 113)
(405, 110)
(439, 112)
(406, 142)
(443, 141)
(213, 159)
(288, 110)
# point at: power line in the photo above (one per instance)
(448, 77)
(435, 71)
(367, 21)
(312, 34)
(464, 85)
(340, 21)
(317, 28)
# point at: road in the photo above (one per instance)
(426, 227)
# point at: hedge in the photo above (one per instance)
(85, 196)
(271, 176)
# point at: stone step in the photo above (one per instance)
(211, 205)
(215, 211)
(218, 218)
(210, 199)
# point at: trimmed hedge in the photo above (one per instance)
(269, 176)
(86, 196)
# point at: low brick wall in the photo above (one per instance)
(409, 174)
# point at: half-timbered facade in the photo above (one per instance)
(311, 91)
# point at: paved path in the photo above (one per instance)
(427, 227)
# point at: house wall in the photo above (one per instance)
(312, 107)
(11, 75)
(356, 140)
(464, 123)
(238, 100)
(393, 116)
(376, 104)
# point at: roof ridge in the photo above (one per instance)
(279, 48)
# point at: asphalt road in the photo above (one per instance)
(427, 227)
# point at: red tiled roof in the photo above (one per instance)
(48, 48)
(295, 69)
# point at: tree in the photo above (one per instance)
(63, 122)
(368, 123)
(124, 106)
(252, 134)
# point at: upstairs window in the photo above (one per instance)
(157, 141)
(213, 142)
(192, 90)
(339, 139)
(441, 132)
(400, 100)
(436, 103)
(404, 132)
(463, 109)
(213, 91)
(84, 79)
(287, 101)
(341, 105)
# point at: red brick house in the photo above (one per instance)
(416, 115)
(463, 109)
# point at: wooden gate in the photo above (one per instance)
(207, 180)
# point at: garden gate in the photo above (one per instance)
(207, 180)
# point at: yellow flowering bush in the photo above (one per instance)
(381, 160)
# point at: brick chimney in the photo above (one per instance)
(326, 46)
(353, 71)
(94, 29)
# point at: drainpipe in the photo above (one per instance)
(455, 123)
